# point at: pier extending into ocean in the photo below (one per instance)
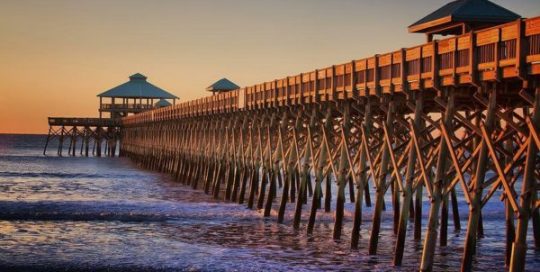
(90, 131)
(460, 115)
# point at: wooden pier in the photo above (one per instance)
(89, 131)
(458, 116)
(136, 95)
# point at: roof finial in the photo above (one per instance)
(137, 76)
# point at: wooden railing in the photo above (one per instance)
(508, 51)
(126, 106)
(84, 122)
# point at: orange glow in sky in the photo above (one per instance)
(56, 56)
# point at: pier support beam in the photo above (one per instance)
(428, 251)
(380, 182)
(528, 191)
(362, 185)
(409, 182)
(477, 183)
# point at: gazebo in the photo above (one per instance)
(134, 96)
(462, 16)
(222, 85)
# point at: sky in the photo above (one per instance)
(56, 56)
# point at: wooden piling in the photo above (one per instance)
(478, 180)
(363, 178)
(436, 196)
(408, 186)
(519, 249)
(380, 183)
(343, 172)
(319, 170)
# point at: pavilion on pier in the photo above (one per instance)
(134, 96)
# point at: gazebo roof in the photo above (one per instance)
(162, 103)
(138, 87)
(464, 11)
(222, 85)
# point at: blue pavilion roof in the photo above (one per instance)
(162, 103)
(138, 87)
(222, 85)
(467, 11)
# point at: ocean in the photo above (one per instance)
(106, 214)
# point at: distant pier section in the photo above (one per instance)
(91, 122)
(101, 135)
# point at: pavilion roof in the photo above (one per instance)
(222, 85)
(162, 103)
(138, 87)
(465, 11)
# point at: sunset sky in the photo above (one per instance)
(56, 56)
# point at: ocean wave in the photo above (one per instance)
(64, 175)
(49, 175)
(125, 211)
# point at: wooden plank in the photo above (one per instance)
(532, 26)
(464, 42)
(413, 53)
(397, 57)
(340, 69)
(445, 46)
(427, 50)
(487, 37)
(348, 68)
(360, 65)
(510, 32)
(321, 74)
(371, 62)
(533, 58)
(385, 60)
